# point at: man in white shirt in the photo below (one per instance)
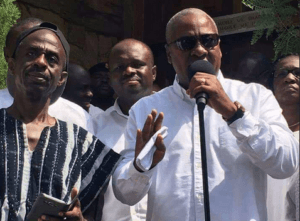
(243, 145)
(132, 72)
(62, 108)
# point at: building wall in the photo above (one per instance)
(91, 27)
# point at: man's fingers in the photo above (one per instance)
(158, 122)
(159, 152)
(147, 127)
(139, 142)
(74, 193)
(153, 113)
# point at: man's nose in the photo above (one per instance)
(199, 51)
(89, 93)
(290, 78)
(129, 70)
(41, 60)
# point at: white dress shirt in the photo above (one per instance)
(62, 109)
(110, 130)
(95, 112)
(239, 156)
(292, 196)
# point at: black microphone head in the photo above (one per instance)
(200, 66)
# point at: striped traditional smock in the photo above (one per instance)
(66, 156)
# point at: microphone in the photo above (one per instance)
(204, 67)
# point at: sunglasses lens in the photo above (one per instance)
(209, 41)
(297, 72)
(186, 43)
(189, 42)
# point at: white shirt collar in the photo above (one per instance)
(117, 109)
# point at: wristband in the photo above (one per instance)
(237, 115)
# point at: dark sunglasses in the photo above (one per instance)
(283, 73)
(189, 42)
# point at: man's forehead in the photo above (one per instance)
(289, 61)
(42, 36)
(191, 22)
(135, 51)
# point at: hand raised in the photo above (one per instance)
(151, 126)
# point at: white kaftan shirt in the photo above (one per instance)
(239, 156)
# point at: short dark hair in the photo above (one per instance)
(271, 78)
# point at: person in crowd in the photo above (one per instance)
(132, 72)
(245, 140)
(103, 93)
(254, 67)
(78, 87)
(60, 107)
(41, 154)
(285, 85)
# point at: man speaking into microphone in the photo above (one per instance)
(246, 137)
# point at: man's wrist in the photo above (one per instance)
(239, 113)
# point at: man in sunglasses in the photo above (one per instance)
(285, 84)
(244, 141)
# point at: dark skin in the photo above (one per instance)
(102, 91)
(78, 87)
(286, 91)
(38, 70)
(132, 72)
(198, 23)
(9, 50)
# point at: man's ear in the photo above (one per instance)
(168, 54)
(154, 72)
(11, 65)
(63, 78)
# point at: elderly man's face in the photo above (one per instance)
(131, 71)
(192, 25)
(38, 64)
(286, 84)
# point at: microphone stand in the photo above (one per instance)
(201, 107)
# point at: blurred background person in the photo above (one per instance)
(78, 87)
(103, 93)
(285, 84)
(253, 67)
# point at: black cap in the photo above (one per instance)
(48, 26)
(98, 67)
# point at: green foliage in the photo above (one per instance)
(277, 16)
(9, 13)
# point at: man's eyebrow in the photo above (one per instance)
(40, 48)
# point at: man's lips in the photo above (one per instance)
(291, 88)
(133, 80)
(37, 77)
